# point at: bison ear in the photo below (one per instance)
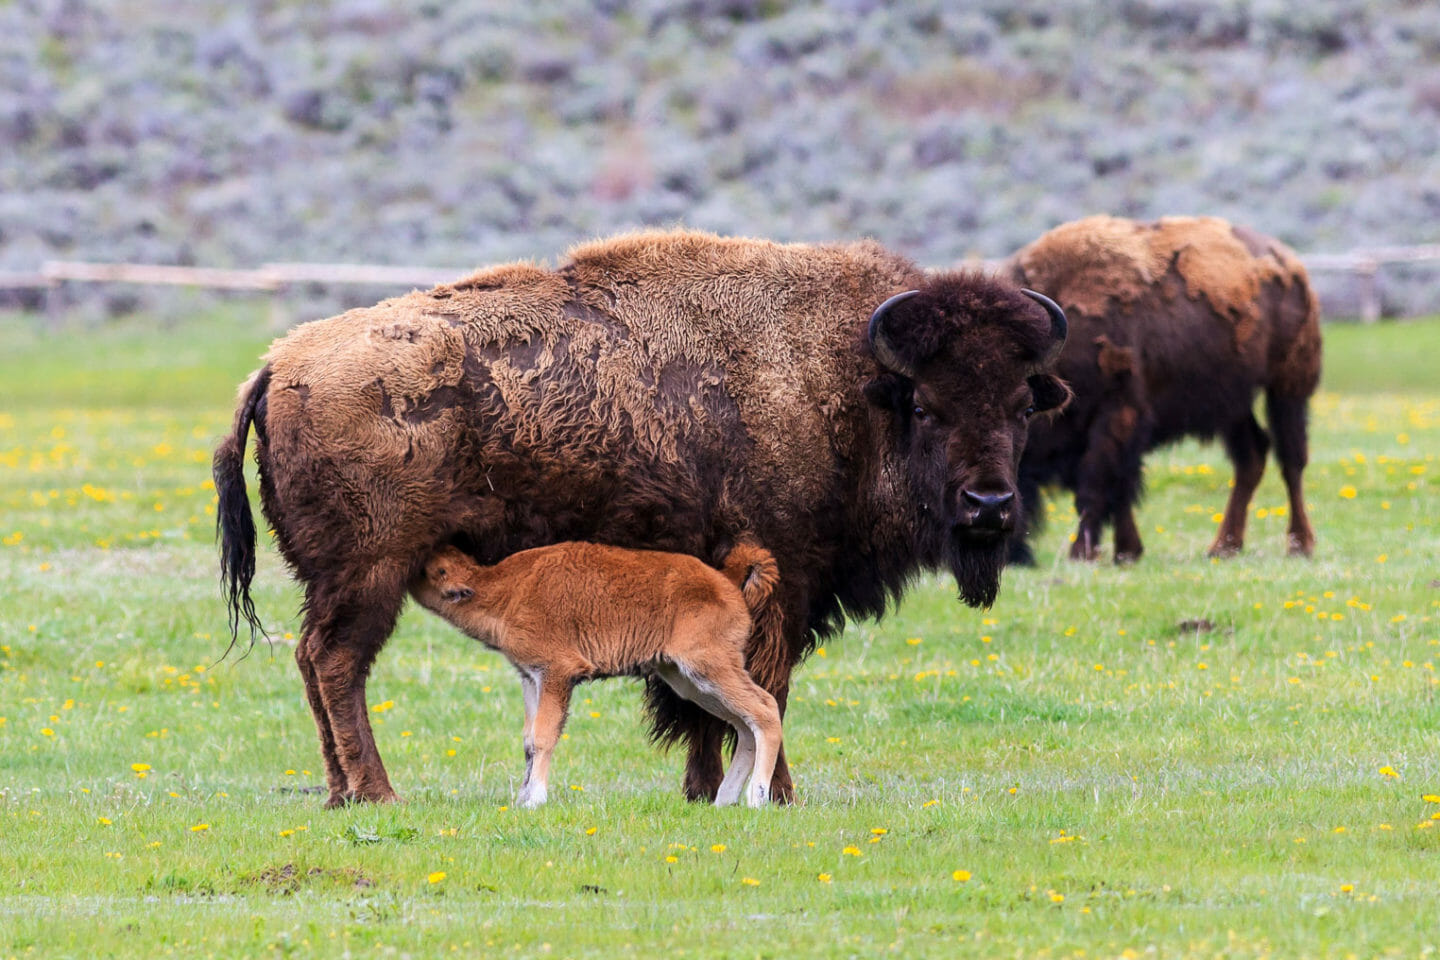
(889, 392)
(1051, 393)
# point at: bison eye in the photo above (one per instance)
(1029, 412)
(921, 414)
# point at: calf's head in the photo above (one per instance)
(448, 573)
(964, 363)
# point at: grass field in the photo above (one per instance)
(1074, 773)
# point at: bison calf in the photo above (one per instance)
(1175, 325)
(574, 611)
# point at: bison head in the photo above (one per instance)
(964, 364)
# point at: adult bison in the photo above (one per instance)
(1175, 325)
(679, 391)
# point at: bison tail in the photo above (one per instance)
(752, 568)
(234, 524)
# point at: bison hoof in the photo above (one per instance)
(368, 796)
(1127, 557)
(1084, 552)
(782, 793)
(1300, 548)
(1224, 548)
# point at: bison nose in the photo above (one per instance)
(988, 511)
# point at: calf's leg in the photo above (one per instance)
(530, 693)
(550, 713)
(720, 685)
(1247, 445)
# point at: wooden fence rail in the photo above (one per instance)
(275, 278)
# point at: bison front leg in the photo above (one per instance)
(1128, 545)
(704, 766)
(342, 637)
(782, 788)
(1108, 483)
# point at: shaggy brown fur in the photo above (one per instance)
(676, 391)
(571, 612)
(1175, 325)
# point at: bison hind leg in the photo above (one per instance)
(344, 631)
(1287, 416)
(1247, 444)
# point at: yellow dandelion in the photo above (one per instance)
(436, 877)
(1056, 897)
(879, 831)
(1388, 771)
(591, 832)
(823, 878)
(672, 859)
(104, 821)
(717, 848)
(1348, 492)
(1347, 887)
(382, 707)
(750, 881)
(851, 851)
(961, 876)
(1431, 798)
(200, 828)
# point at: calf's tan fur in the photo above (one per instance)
(576, 611)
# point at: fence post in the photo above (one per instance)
(55, 305)
(1365, 274)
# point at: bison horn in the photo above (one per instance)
(880, 343)
(1058, 326)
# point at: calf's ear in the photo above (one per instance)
(1050, 392)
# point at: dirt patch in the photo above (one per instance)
(1197, 625)
(288, 878)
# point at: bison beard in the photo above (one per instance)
(976, 566)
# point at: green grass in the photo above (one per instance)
(1109, 781)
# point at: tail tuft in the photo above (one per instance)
(234, 524)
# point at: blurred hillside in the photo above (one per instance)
(462, 133)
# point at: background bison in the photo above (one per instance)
(1175, 325)
(669, 390)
